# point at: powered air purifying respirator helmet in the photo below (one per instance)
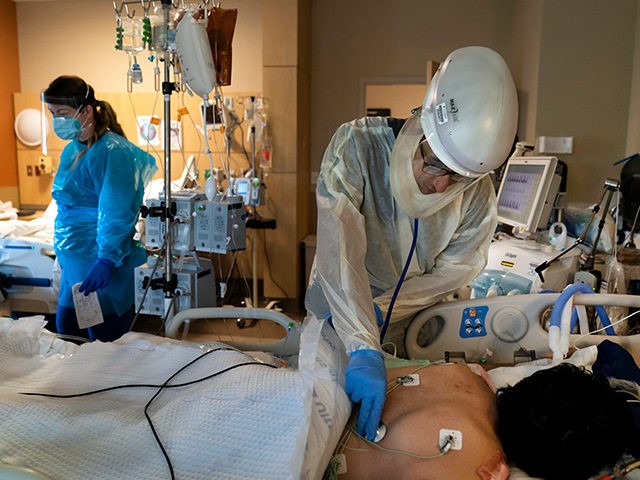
(469, 119)
(470, 112)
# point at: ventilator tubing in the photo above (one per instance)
(564, 318)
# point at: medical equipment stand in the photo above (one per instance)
(610, 186)
(256, 224)
(167, 212)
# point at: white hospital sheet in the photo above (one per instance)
(38, 229)
(250, 422)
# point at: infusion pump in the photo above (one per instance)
(250, 189)
(195, 288)
(214, 226)
(197, 225)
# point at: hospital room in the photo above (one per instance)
(316, 239)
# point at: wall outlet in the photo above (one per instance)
(45, 164)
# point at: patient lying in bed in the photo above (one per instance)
(575, 411)
(419, 415)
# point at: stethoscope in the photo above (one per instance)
(400, 280)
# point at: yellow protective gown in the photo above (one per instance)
(364, 237)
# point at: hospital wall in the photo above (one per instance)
(633, 131)
(573, 63)
(585, 87)
(9, 83)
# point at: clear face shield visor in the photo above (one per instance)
(403, 182)
(434, 167)
(67, 125)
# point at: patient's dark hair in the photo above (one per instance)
(563, 423)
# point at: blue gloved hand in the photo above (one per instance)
(366, 382)
(98, 277)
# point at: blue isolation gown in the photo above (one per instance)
(99, 196)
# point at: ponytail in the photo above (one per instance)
(105, 119)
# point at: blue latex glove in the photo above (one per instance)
(98, 277)
(366, 382)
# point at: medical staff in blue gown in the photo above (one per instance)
(382, 181)
(98, 188)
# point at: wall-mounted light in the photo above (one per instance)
(29, 127)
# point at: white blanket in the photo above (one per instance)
(251, 422)
(39, 229)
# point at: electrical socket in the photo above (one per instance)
(45, 165)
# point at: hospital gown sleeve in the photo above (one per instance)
(458, 264)
(124, 177)
(341, 243)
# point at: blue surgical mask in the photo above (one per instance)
(67, 128)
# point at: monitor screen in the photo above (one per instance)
(242, 186)
(526, 192)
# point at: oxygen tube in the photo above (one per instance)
(400, 280)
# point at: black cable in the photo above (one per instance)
(146, 414)
(160, 389)
(266, 256)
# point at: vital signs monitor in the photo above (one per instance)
(528, 192)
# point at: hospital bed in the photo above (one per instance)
(246, 413)
(511, 329)
(27, 264)
(512, 334)
(205, 410)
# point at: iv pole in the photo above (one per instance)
(254, 238)
(610, 186)
(168, 87)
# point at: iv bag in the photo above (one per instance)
(132, 35)
(220, 28)
(195, 56)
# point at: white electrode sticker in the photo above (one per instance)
(441, 113)
(455, 435)
(412, 380)
(340, 463)
(88, 309)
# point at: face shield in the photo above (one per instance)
(470, 112)
(66, 127)
(403, 182)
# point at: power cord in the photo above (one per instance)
(157, 393)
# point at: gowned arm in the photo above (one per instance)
(342, 245)
(118, 206)
(342, 274)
